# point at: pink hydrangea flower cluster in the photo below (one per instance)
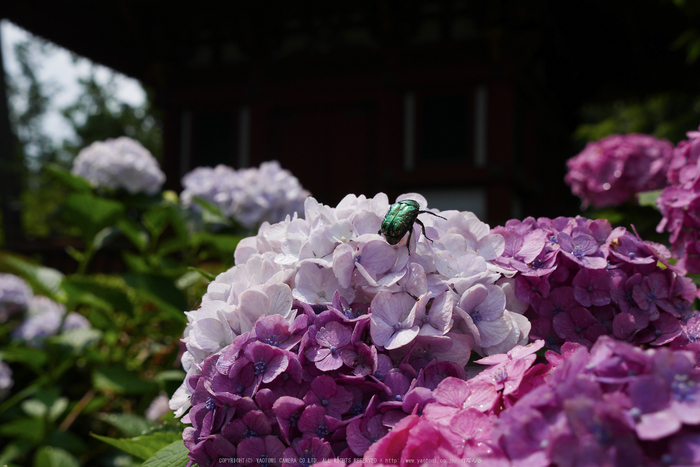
(120, 163)
(249, 196)
(581, 279)
(679, 204)
(611, 171)
(615, 405)
(324, 336)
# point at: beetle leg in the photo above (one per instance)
(423, 227)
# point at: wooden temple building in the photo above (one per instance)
(470, 102)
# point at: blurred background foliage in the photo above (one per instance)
(96, 115)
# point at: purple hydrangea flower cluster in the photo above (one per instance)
(15, 295)
(680, 201)
(615, 405)
(306, 391)
(580, 279)
(121, 163)
(44, 319)
(249, 196)
(611, 171)
(324, 336)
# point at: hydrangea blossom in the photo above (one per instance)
(158, 408)
(324, 337)
(680, 201)
(249, 196)
(581, 279)
(612, 170)
(6, 381)
(615, 405)
(120, 163)
(15, 295)
(44, 319)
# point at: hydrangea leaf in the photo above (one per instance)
(67, 178)
(145, 447)
(107, 296)
(49, 456)
(648, 198)
(172, 455)
(78, 339)
(128, 424)
(119, 380)
(203, 273)
(91, 213)
(134, 233)
(160, 291)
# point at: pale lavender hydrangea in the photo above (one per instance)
(611, 171)
(321, 313)
(6, 381)
(15, 295)
(120, 163)
(249, 196)
(44, 320)
(158, 408)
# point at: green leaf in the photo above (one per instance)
(169, 375)
(46, 403)
(161, 291)
(34, 358)
(203, 273)
(105, 236)
(14, 450)
(105, 296)
(44, 281)
(209, 207)
(134, 233)
(143, 447)
(91, 213)
(119, 380)
(648, 198)
(77, 339)
(172, 245)
(611, 214)
(67, 178)
(25, 428)
(135, 263)
(173, 455)
(128, 424)
(66, 440)
(156, 220)
(49, 456)
(225, 244)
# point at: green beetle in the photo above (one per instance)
(400, 219)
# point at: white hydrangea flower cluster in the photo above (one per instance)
(442, 300)
(249, 196)
(44, 320)
(121, 163)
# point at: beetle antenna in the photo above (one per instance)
(431, 213)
